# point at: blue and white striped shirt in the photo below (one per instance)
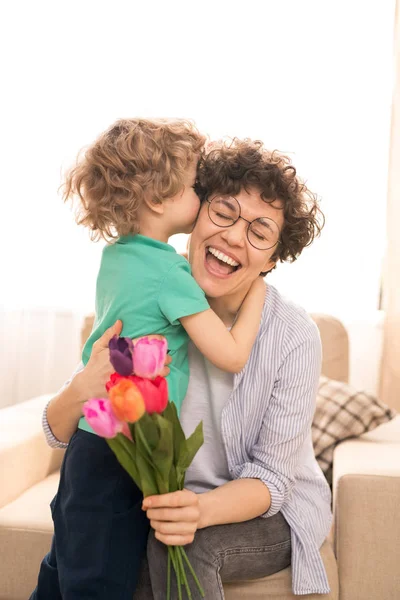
(266, 430)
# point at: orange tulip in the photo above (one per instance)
(127, 401)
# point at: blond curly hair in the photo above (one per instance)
(133, 160)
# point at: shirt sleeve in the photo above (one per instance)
(180, 295)
(286, 424)
(51, 439)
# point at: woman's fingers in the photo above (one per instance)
(102, 342)
(174, 540)
(173, 499)
(174, 517)
(186, 514)
(175, 528)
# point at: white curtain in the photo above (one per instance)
(390, 374)
(39, 350)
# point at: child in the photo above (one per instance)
(136, 187)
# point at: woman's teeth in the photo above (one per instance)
(223, 257)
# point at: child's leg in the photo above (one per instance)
(99, 526)
(222, 553)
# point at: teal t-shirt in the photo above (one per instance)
(147, 285)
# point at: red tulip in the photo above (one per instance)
(154, 392)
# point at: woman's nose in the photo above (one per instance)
(235, 235)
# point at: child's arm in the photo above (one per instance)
(228, 350)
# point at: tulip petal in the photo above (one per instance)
(154, 392)
(149, 356)
(121, 355)
(127, 401)
(100, 416)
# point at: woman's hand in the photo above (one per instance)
(65, 409)
(93, 378)
(175, 517)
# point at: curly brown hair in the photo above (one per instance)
(229, 167)
(133, 160)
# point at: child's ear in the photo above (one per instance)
(154, 206)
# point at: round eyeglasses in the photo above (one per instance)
(263, 233)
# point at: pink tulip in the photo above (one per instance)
(149, 357)
(101, 418)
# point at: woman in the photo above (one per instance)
(255, 479)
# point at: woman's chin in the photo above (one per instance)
(213, 284)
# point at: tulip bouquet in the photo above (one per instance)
(143, 430)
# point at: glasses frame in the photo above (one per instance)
(209, 201)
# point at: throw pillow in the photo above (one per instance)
(342, 413)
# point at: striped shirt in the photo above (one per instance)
(266, 430)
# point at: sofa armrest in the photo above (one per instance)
(25, 457)
(366, 491)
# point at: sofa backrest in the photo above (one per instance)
(335, 345)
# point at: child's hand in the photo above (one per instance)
(258, 288)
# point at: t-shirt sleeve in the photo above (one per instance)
(180, 295)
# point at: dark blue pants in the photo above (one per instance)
(100, 530)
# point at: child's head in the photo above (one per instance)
(137, 165)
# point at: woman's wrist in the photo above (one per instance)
(204, 505)
(78, 388)
(68, 401)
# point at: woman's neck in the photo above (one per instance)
(226, 308)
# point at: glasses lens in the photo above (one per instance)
(263, 233)
(224, 211)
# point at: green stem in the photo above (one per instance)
(185, 581)
(192, 572)
(169, 574)
(178, 577)
(142, 437)
(173, 559)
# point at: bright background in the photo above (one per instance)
(309, 78)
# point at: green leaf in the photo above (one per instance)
(171, 414)
(150, 430)
(148, 481)
(187, 452)
(173, 482)
(163, 454)
(142, 443)
(125, 452)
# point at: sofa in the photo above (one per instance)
(362, 554)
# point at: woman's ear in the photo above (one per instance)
(269, 265)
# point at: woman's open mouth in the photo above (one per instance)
(220, 264)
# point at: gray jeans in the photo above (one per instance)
(219, 554)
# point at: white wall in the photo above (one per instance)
(310, 78)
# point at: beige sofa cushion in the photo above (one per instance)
(279, 585)
(26, 529)
(366, 487)
(25, 458)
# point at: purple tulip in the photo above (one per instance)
(121, 355)
(101, 418)
(149, 357)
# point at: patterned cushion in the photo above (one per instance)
(342, 413)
